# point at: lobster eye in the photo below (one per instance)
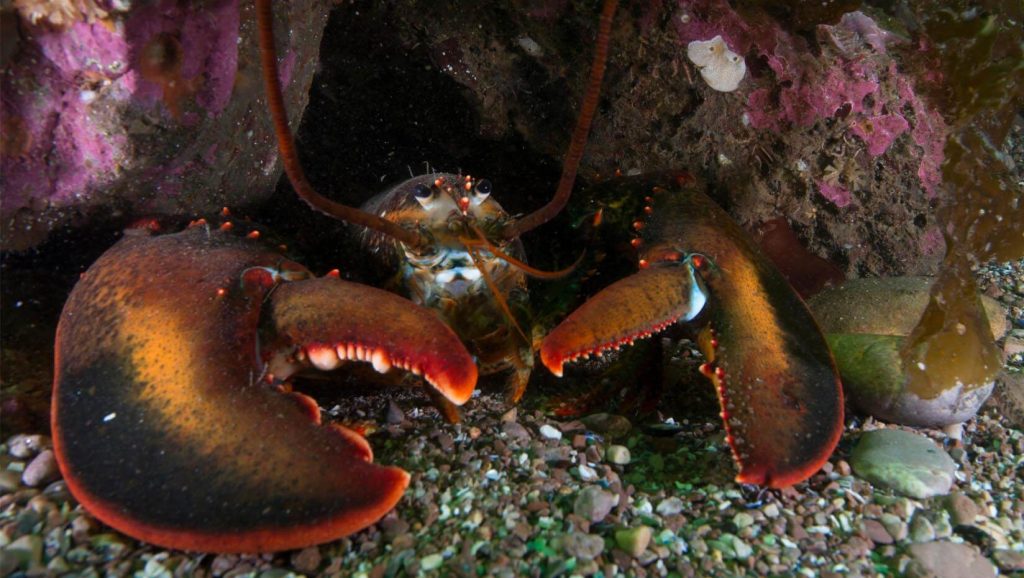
(483, 189)
(422, 191)
(423, 194)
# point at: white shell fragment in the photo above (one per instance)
(721, 68)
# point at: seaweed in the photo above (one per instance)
(978, 46)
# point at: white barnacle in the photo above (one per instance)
(721, 68)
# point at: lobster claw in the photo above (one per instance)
(777, 384)
(162, 426)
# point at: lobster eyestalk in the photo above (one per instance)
(289, 156)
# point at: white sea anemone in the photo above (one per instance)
(721, 68)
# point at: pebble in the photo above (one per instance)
(582, 546)
(587, 473)
(515, 430)
(594, 504)
(670, 506)
(947, 560)
(609, 425)
(743, 520)
(510, 415)
(921, 529)
(877, 532)
(23, 446)
(1008, 560)
(41, 470)
(27, 550)
(909, 463)
(431, 562)
(550, 432)
(9, 481)
(634, 541)
(962, 510)
(394, 414)
(771, 511)
(307, 560)
(617, 454)
(895, 526)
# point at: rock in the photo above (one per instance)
(594, 503)
(962, 510)
(582, 546)
(510, 415)
(771, 510)
(895, 526)
(515, 430)
(41, 470)
(877, 532)
(947, 560)
(307, 560)
(24, 446)
(921, 529)
(609, 425)
(587, 473)
(9, 481)
(550, 432)
(617, 454)
(742, 520)
(670, 506)
(394, 414)
(634, 541)
(1009, 560)
(866, 322)
(431, 562)
(908, 463)
(183, 131)
(27, 550)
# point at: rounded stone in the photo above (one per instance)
(582, 546)
(41, 470)
(908, 463)
(593, 503)
(634, 541)
(617, 454)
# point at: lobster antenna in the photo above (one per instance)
(579, 136)
(286, 145)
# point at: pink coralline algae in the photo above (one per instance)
(853, 80)
(835, 193)
(878, 132)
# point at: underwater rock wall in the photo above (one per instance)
(142, 109)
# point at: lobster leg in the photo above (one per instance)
(162, 427)
(776, 381)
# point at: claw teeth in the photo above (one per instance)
(324, 358)
(380, 361)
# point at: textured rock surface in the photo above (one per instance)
(909, 463)
(156, 110)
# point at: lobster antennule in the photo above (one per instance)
(286, 145)
(579, 136)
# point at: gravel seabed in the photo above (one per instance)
(505, 493)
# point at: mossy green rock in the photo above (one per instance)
(905, 462)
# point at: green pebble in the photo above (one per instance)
(743, 520)
(633, 541)
(431, 562)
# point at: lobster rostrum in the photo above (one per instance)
(174, 421)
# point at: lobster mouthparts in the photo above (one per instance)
(776, 382)
(162, 426)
